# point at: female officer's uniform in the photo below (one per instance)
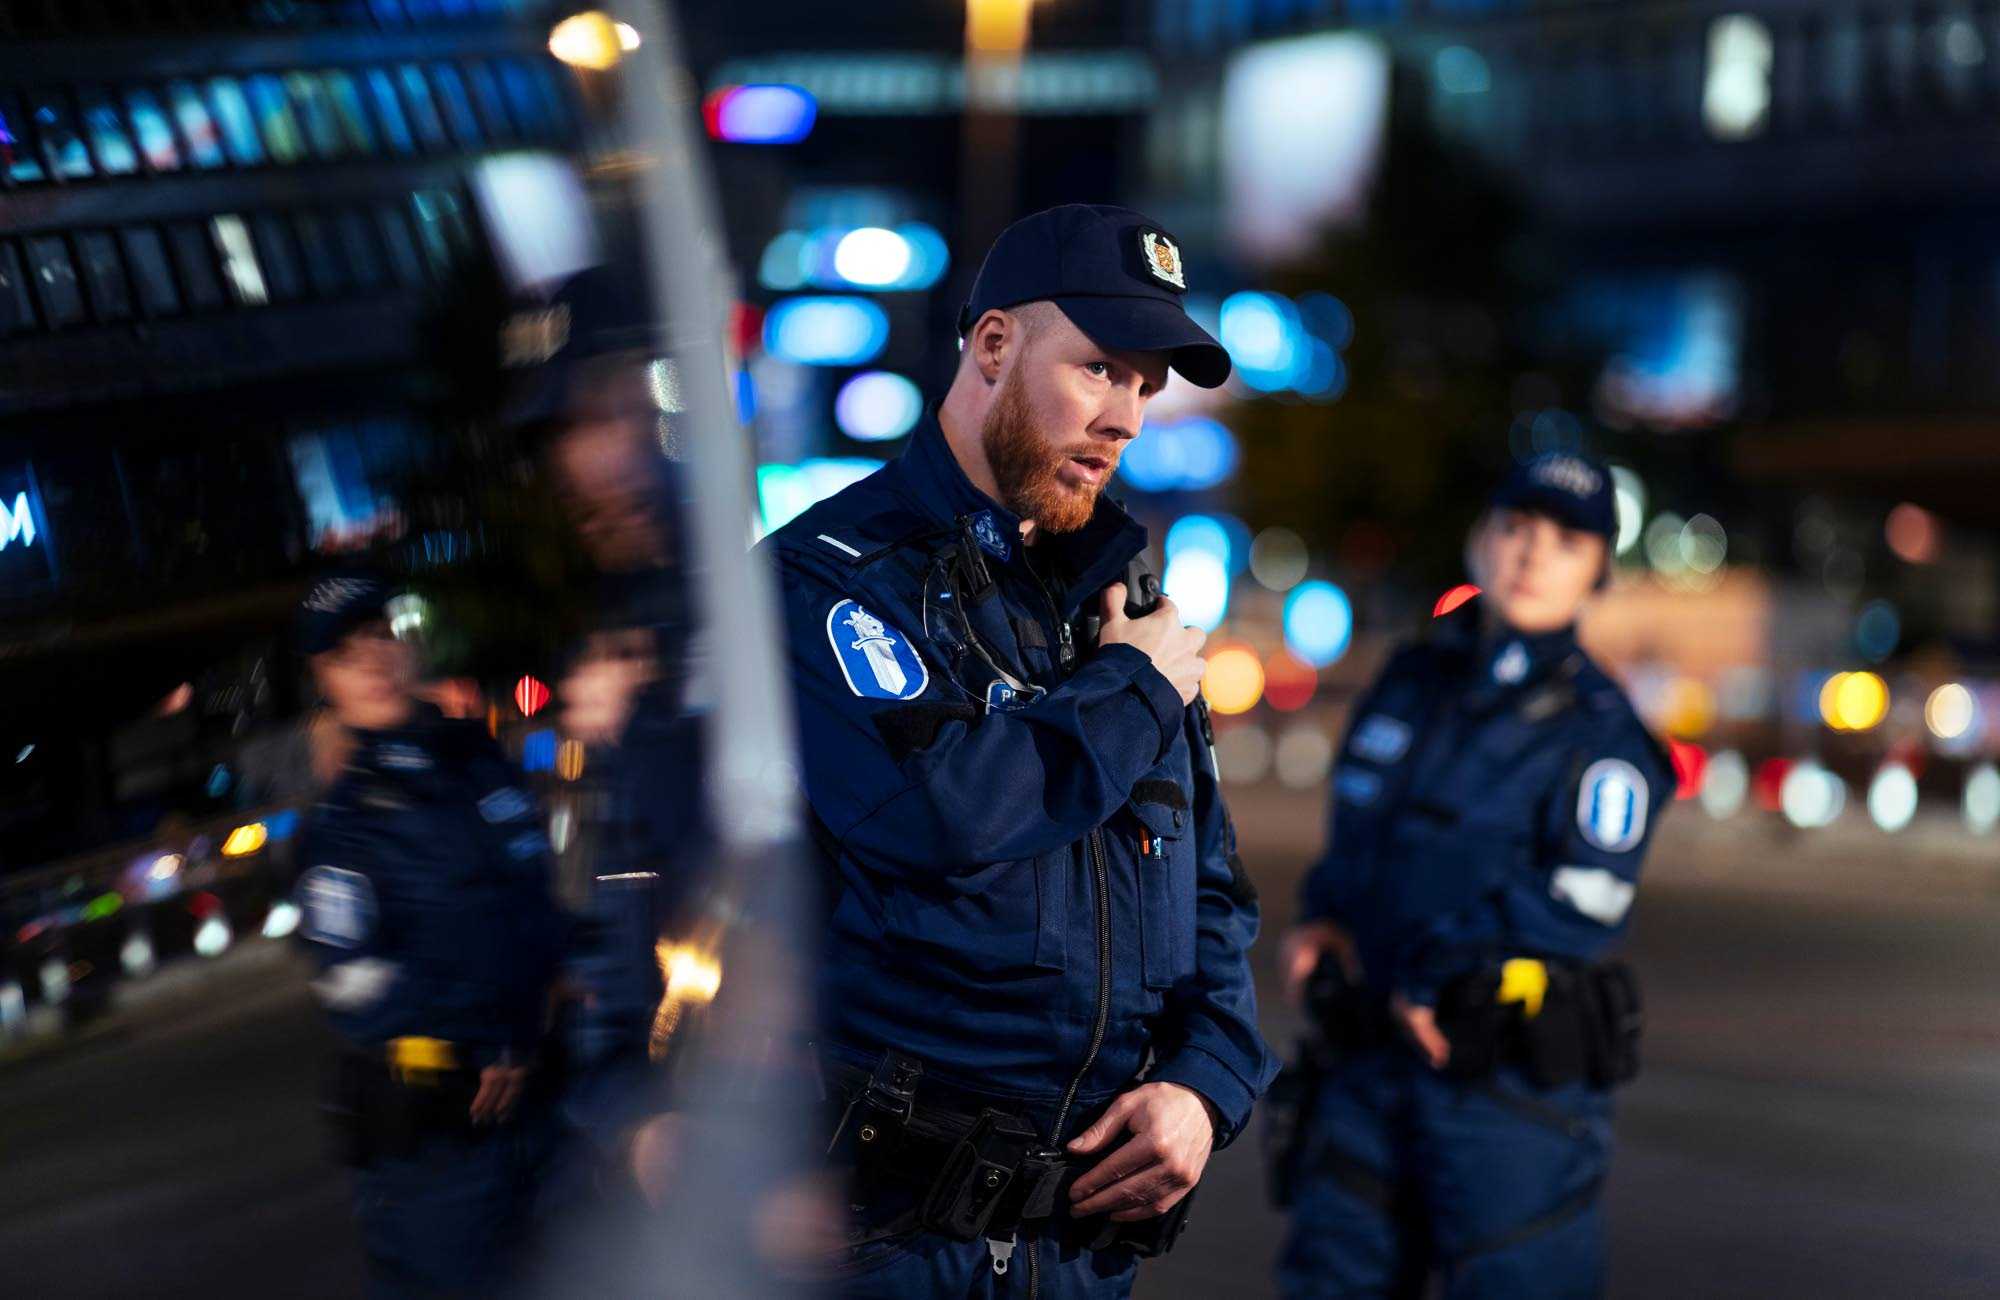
(1492, 806)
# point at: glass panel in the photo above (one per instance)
(389, 109)
(274, 117)
(350, 113)
(457, 105)
(156, 134)
(55, 280)
(104, 275)
(150, 270)
(423, 108)
(62, 144)
(524, 98)
(322, 258)
(198, 128)
(280, 253)
(17, 150)
(310, 99)
(115, 154)
(197, 266)
(487, 100)
(404, 259)
(240, 270)
(239, 125)
(17, 312)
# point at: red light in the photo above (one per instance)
(530, 696)
(1690, 766)
(204, 905)
(1289, 682)
(746, 328)
(1766, 786)
(1452, 599)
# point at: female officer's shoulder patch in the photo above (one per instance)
(339, 907)
(1611, 805)
(877, 661)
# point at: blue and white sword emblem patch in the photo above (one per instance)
(878, 662)
(1611, 805)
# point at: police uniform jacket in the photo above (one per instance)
(1494, 798)
(1036, 888)
(427, 904)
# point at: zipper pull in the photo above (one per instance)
(1002, 1252)
(1065, 643)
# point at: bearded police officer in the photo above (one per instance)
(1492, 805)
(428, 914)
(1037, 1014)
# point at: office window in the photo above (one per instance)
(457, 105)
(17, 148)
(55, 280)
(63, 148)
(389, 111)
(279, 252)
(423, 109)
(151, 272)
(239, 124)
(358, 249)
(155, 133)
(115, 154)
(197, 266)
(104, 275)
(350, 112)
(309, 100)
(487, 99)
(324, 265)
(17, 310)
(275, 121)
(240, 269)
(405, 262)
(198, 128)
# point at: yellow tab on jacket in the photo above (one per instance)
(1524, 980)
(421, 1060)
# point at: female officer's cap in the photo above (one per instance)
(1572, 489)
(1114, 272)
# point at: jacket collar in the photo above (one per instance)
(1501, 661)
(1083, 562)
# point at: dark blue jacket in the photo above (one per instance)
(1494, 798)
(1002, 806)
(426, 894)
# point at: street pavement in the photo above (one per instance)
(1817, 1117)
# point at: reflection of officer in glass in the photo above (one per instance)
(1037, 1013)
(428, 915)
(1492, 805)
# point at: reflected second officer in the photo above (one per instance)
(428, 913)
(1492, 804)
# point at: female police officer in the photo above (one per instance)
(1492, 805)
(429, 917)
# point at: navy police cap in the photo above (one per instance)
(546, 341)
(1572, 489)
(1114, 272)
(337, 603)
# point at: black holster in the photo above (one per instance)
(371, 1116)
(1587, 1030)
(1288, 1121)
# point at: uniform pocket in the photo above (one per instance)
(1166, 857)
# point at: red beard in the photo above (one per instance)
(1028, 469)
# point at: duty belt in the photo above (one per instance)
(985, 1175)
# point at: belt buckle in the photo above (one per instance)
(984, 1166)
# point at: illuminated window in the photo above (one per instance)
(104, 275)
(279, 253)
(423, 109)
(404, 259)
(358, 249)
(115, 154)
(17, 311)
(457, 105)
(486, 97)
(389, 110)
(309, 98)
(63, 148)
(198, 128)
(156, 134)
(151, 273)
(275, 120)
(55, 280)
(524, 98)
(191, 250)
(239, 261)
(351, 113)
(238, 123)
(17, 150)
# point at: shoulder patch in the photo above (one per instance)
(339, 907)
(878, 662)
(1381, 738)
(1611, 805)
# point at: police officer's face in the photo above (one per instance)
(607, 486)
(1536, 572)
(367, 678)
(1065, 410)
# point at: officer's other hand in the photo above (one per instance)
(1420, 1023)
(1303, 948)
(1172, 1132)
(1174, 648)
(499, 1088)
